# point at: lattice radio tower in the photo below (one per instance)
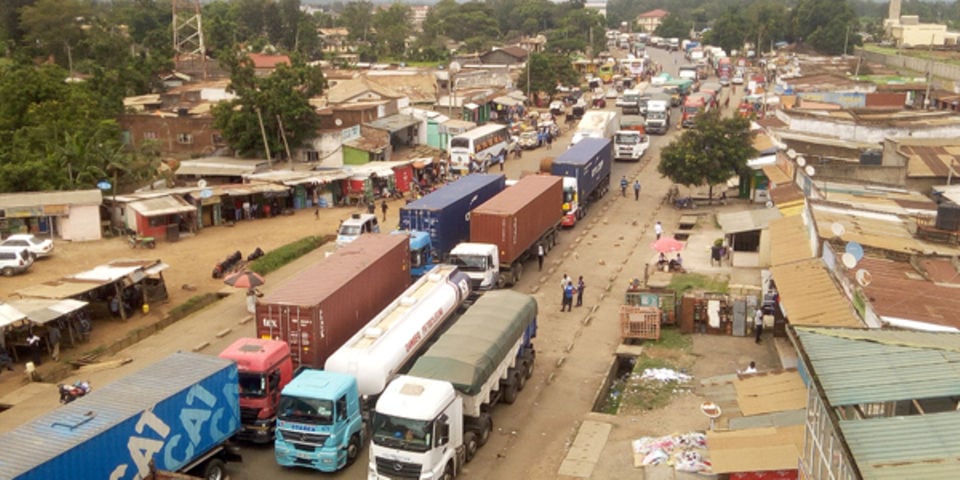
(189, 49)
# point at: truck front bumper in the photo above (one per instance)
(261, 431)
(324, 459)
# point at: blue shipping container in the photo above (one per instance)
(170, 412)
(445, 213)
(589, 162)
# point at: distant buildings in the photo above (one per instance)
(650, 21)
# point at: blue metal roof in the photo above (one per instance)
(897, 448)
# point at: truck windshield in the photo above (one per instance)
(402, 433)
(626, 139)
(349, 230)
(313, 410)
(460, 142)
(418, 257)
(469, 263)
(252, 385)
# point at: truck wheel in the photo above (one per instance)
(517, 273)
(214, 470)
(484, 427)
(520, 375)
(502, 281)
(353, 449)
(509, 387)
(447, 472)
(470, 444)
(7, 272)
(530, 359)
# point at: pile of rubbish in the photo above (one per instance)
(665, 375)
(685, 452)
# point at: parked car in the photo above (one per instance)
(14, 260)
(36, 246)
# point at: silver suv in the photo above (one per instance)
(14, 260)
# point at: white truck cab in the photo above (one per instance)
(630, 145)
(480, 261)
(356, 225)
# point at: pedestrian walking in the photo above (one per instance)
(316, 213)
(384, 208)
(623, 185)
(563, 283)
(540, 254)
(53, 335)
(33, 342)
(549, 140)
(372, 207)
(580, 287)
(501, 160)
(5, 361)
(636, 189)
(568, 292)
(758, 324)
(658, 229)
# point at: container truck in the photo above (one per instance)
(596, 124)
(445, 213)
(421, 252)
(328, 432)
(630, 145)
(321, 307)
(175, 415)
(506, 231)
(430, 422)
(694, 105)
(585, 169)
(264, 369)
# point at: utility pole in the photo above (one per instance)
(846, 39)
(263, 133)
(926, 95)
(529, 64)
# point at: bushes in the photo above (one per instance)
(279, 257)
(193, 304)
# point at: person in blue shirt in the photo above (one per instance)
(623, 186)
(568, 292)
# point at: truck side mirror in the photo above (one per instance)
(444, 436)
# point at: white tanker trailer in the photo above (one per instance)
(330, 403)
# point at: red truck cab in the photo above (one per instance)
(264, 368)
(692, 106)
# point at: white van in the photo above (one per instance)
(14, 260)
(356, 225)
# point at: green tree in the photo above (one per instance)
(728, 31)
(546, 71)
(358, 18)
(280, 98)
(767, 23)
(827, 25)
(714, 150)
(472, 21)
(674, 25)
(393, 27)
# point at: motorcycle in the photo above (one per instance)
(69, 393)
(684, 203)
(137, 241)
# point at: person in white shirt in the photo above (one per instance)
(658, 229)
(752, 368)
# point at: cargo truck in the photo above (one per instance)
(596, 124)
(264, 369)
(321, 307)
(630, 145)
(421, 252)
(429, 423)
(658, 115)
(175, 415)
(585, 169)
(328, 432)
(445, 213)
(506, 231)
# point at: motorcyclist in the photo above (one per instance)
(623, 185)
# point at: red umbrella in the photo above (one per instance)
(667, 245)
(244, 279)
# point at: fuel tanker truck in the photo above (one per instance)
(321, 414)
(431, 421)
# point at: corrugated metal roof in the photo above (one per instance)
(89, 280)
(155, 207)
(394, 123)
(220, 167)
(809, 295)
(43, 439)
(748, 220)
(878, 230)
(776, 175)
(872, 366)
(789, 241)
(897, 448)
(33, 199)
(42, 310)
(10, 314)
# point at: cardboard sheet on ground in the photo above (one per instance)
(770, 392)
(755, 449)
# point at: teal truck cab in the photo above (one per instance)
(319, 422)
(422, 256)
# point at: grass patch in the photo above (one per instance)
(672, 339)
(695, 281)
(192, 305)
(281, 256)
(638, 395)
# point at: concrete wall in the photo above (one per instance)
(83, 223)
(844, 171)
(918, 65)
(199, 135)
(867, 133)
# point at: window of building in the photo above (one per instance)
(150, 135)
(312, 155)
(184, 138)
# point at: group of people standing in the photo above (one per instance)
(570, 290)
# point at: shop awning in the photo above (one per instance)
(42, 310)
(506, 101)
(160, 206)
(84, 282)
(10, 315)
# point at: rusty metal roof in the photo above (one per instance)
(810, 297)
(882, 231)
(898, 291)
(929, 160)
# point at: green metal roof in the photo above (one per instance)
(896, 448)
(863, 366)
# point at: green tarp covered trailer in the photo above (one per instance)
(468, 353)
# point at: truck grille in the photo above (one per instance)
(302, 437)
(248, 415)
(397, 469)
(475, 284)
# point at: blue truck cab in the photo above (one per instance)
(319, 423)
(422, 256)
